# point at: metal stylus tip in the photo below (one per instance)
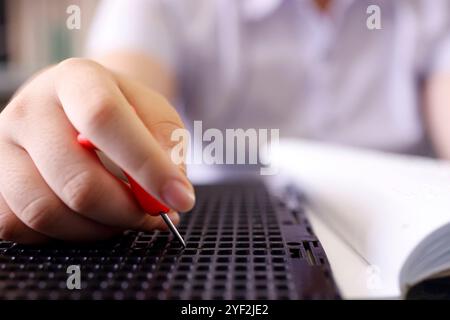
(173, 229)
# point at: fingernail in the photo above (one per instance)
(178, 196)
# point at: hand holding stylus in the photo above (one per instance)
(148, 203)
(51, 187)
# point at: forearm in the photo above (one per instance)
(437, 113)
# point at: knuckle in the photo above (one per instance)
(99, 112)
(76, 63)
(15, 109)
(80, 191)
(40, 213)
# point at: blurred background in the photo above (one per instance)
(33, 34)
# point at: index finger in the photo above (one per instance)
(96, 107)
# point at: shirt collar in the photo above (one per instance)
(259, 9)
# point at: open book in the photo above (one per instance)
(391, 212)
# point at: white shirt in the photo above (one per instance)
(283, 64)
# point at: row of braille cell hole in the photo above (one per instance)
(238, 239)
(25, 259)
(226, 252)
(235, 259)
(208, 274)
(244, 211)
(156, 279)
(43, 261)
(213, 228)
(200, 273)
(204, 264)
(239, 242)
(104, 282)
(213, 231)
(228, 216)
(208, 243)
(237, 272)
(223, 272)
(237, 213)
(208, 249)
(216, 228)
(262, 286)
(218, 274)
(233, 225)
(177, 289)
(240, 279)
(257, 231)
(138, 263)
(217, 284)
(243, 225)
(187, 260)
(230, 245)
(217, 277)
(218, 212)
(258, 237)
(207, 258)
(239, 227)
(252, 213)
(236, 294)
(139, 295)
(98, 269)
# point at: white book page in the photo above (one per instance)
(354, 276)
(381, 205)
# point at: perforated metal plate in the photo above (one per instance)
(241, 244)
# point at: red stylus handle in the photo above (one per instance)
(148, 203)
